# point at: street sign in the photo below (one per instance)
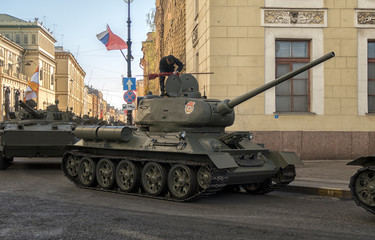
(129, 96)
(129, 83)
(129, 106)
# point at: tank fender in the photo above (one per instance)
(283, 159)
(363, 161)
(222, 160)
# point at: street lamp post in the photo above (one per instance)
(129, 58)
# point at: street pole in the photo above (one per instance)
(129, 59)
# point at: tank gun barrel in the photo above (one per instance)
(228, 105)
(30, 110)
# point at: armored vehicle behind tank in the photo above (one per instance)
(179, 150)
(362, 183)
(35, 133)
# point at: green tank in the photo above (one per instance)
(179, 150)
(362, 183)
(35, 133)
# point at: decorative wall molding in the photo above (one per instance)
(364, 18)
(282, 17)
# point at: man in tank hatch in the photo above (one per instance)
(167, 64)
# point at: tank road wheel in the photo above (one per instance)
(71, 165)
(364, 188)
(204, 177)
(128, 176)
(182, 181)
(105, 173)
(86, 171)
(258, 188)
(154, 178)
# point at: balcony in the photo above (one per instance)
(9, 73)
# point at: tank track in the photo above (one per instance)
(353, 191)
(284, 177)
(219, 177)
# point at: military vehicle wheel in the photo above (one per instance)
(105, 173)
(182, 181)
(71, 165)
(128, 176)
(86, 171)
(204, 177)
(258, 188)
(154, 178)
(364, 187)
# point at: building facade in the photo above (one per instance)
(69, 82)
(324, 113)
(25, 46)
(88, 103)
(13, 82)
(37, 49)
(149, 64)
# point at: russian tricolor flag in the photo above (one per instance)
(111, 41)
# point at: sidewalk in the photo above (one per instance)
(323, 178)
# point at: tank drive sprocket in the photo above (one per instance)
(362, 188)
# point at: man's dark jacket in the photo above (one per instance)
(165, 67)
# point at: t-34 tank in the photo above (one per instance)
(35, 133)
(362, 183)
(179, 150)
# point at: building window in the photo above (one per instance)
(18, 39)
(292, 95)
(371, 76)
(33, 39)
(41, 72)
(25, 39)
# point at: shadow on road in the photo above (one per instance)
(35, 164)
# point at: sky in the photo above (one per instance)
(75, 23)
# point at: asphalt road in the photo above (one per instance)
(38, 202)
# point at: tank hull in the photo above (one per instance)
(34, 140)
(193, 165)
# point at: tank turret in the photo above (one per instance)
(187, 109)
(30, 110)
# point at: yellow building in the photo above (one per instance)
(89, 102)
(328, 112)
(37, 45)
(69, 82)
(13, 82)
(150, 64)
